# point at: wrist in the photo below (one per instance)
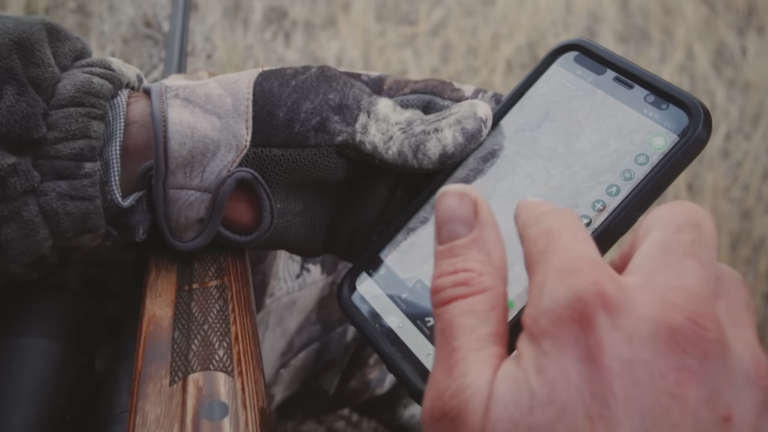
(137, 148)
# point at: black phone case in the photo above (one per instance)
(610, 231)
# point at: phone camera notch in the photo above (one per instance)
(656, 102)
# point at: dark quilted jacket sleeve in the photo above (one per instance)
(53, 104)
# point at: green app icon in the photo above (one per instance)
(642, 159)
(613, 190)
(658, 142)
(510, 304)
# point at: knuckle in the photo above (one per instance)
(759, 371)
(457, 279)
(472, 119)
(695, 279)
(688, 331)
(591, 296)
(684, 215)
(732, 287)
(731, 277)
(688, 230)
(326, 70)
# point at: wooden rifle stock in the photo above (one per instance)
(198, 365)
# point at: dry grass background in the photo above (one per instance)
(716, 49)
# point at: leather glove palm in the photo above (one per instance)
(323, 151)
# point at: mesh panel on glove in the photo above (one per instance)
(304, 185)
(321, 147)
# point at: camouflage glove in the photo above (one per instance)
(323, 151)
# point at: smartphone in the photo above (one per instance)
(586, 130)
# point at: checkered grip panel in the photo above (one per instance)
(201, 326)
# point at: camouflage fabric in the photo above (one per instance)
(307, 343)
(322, 151)
(54, 102)
(333, 193)
(383, 139)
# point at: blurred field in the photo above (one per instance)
(716, 49)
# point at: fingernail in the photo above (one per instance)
(454, 215)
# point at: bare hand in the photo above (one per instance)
(662, 339)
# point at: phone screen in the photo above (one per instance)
(581, 137)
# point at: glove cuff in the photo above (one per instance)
(201, 131)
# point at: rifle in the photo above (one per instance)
(197, 365)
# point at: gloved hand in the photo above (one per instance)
(324, 152)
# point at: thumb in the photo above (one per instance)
(469, 299)
(408, 139)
